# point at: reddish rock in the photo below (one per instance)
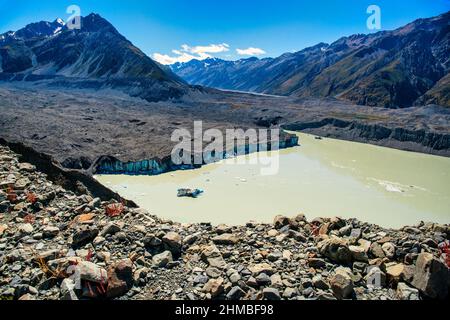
(120, 278)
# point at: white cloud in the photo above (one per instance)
(250, 51)
(187, 53)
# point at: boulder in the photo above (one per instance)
(336, 249)
(120, 278)
(431, 276)
(173, 242)
(342, 284)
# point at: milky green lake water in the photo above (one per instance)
(320, 178)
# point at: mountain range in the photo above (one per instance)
(394, 69)
(96, 55)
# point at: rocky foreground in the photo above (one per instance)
(55, 244)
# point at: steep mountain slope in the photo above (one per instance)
(391, 69)
(96, 55)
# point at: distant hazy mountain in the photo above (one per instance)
(97, 53)
(392, 69)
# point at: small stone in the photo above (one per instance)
(200, 279)
(26, 297)
(358, 253)
(376, 250)
(235, 293)
(213, 272)
(84, 235)
(395, 271)
(235, 277)
(50, 232)
(388, 249)
(252, 282)
(262, 279)
(271, 294)
(289, 293)
(98, 241)
(152, 241)
(223, 228)
(276, 281)
(375, 277)
(355, 233)
(225, 239)
(121, 236)
(261, 268)
(27, 167)
(319, 283)
(110, 228)
(274, 256)
(212, 256)
(404, 292)
(67, 289)
(161, 260)
(95, 203)
(272, 233)
(214, 287)
(26, 228)
(316, 263)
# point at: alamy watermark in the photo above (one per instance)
(205, 147)
(374, 20)
(74, 20)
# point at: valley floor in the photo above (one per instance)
(77, 127)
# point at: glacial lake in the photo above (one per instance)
(320, 178)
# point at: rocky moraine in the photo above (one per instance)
(58, 244)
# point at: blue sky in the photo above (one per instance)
(173, 30)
